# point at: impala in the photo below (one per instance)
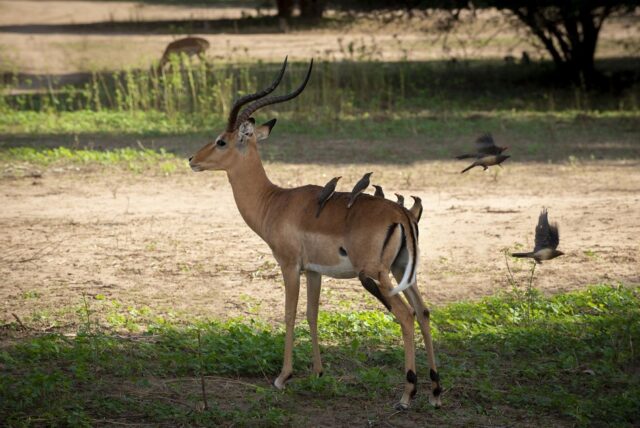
(371, 240)
(189, 46)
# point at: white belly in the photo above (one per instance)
(344, 269)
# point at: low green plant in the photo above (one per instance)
(132, 159)
(574, 361)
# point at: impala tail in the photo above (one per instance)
(411, 269)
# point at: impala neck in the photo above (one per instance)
(251, 190)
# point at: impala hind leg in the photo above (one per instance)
(314, 281)
(292, 289)
(404, 315)
(422, 314)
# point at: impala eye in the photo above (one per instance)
(221, 143)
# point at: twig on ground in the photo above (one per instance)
(499, 211)
(397, 412)
(532, 271)
(38, 254)
(22, 326)
(217, 378)
(202, 384)
(127, 424)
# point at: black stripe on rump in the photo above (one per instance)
(390, 231)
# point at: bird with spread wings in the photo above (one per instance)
(485, 145)
(547, 240)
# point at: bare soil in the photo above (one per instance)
(178, 244)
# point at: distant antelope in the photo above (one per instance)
(189, 46)
(371, 240)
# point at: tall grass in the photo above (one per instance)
(336, 89)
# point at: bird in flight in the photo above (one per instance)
(484, 146)
(487, 161)
(547, 240)
(326, 193)
(360, 187)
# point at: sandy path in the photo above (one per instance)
(178, 244)
(17, 12)
(55, 52)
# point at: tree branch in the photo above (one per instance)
(530, 22)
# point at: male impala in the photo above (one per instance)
(370, 240)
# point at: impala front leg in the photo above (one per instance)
(291, 277)
(314, 281)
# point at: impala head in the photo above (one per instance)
(242, 133)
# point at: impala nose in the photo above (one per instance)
(190, 158)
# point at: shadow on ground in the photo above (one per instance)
(249, 25)
(539, 138)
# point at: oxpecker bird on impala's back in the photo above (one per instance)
(360, 187)
(416, 208)
(326, 193)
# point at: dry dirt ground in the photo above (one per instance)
(34, 41)
(177, 243)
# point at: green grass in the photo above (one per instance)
(130, 159)
(40, 138)
(65, 155)
(432, 107)
(336, 89)
(402, 123)
(572, 357)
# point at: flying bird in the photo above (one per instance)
(400, 200)
(379, 191)
(487, 161)
(416, 208)
(359, 188)
(484, 146)
(547, 240)
(326, 193)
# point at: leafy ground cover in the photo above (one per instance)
(570, 359)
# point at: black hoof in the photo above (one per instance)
(401, 407)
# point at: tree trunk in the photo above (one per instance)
(311, 9)
(285, 8)
(570, 36)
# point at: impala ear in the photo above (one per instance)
(245, 132)
(263, 131)
(247, 128)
